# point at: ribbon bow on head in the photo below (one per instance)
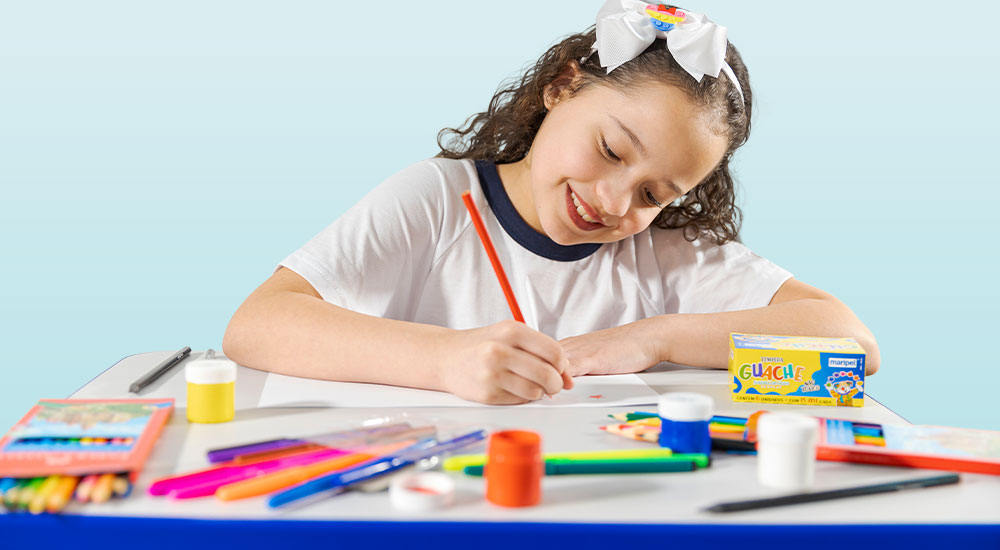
(625, 28)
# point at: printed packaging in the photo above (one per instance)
(799, 370)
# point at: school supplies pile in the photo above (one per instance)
(727, 432)
(930, 447)
(84, 449)
(289, 469)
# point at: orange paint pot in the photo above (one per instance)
(514, 468)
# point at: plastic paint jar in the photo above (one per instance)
(786, 450)
(684, 419)
(514, 468)
(211, 389)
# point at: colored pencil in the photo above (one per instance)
(484, 237)
(121, 487)
(41, 496)
(28, 491)
(84, 488)
(102, 488)
(62, 494)
(10, 495)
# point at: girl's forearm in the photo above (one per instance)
(703, 339)
(300, 335)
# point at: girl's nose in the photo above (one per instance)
(615, 197)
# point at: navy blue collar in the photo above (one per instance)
(517, 228)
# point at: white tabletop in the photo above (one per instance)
(675, 498)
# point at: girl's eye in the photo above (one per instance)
(652, 200)
(607, 151)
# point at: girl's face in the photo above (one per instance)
(605, 163)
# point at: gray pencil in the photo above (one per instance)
(159, 370)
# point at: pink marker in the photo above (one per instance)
(205, 482)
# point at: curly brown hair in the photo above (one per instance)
(505, 131)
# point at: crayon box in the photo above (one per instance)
(798, 370)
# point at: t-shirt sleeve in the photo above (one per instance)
(376, 257)
(703, 277)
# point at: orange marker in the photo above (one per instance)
(62, 494)
(275, 481)
(102, 488)
(477, 221)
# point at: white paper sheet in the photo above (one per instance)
(588, 391)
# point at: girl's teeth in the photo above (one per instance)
(579, 209)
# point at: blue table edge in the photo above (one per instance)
(24, 530)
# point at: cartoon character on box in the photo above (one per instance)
(843, 386)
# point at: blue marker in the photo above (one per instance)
(338, 481)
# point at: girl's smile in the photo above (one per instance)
(582, 214)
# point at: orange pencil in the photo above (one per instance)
(102, 488)
(62, 494)
(477, 220)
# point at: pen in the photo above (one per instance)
(799, 498)
(159, 370)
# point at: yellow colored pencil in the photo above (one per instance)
(62, 494)
(869, 440)
(41, 497)
(726, 428)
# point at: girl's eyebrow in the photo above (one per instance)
(642, 151)
(632, 137)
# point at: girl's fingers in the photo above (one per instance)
(535, 343)
(521, 387)
(536, 371)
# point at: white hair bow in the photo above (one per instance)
(625, 28)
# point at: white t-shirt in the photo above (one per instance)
(409, 251)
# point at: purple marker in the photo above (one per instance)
(228, 453)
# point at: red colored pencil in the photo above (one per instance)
(477, 220)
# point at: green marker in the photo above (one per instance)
(619, 466)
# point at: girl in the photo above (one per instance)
(603, 179)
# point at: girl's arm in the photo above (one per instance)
(287, 328)
(797, 309)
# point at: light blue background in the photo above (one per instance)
(158, 159)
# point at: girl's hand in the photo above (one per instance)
(621, 350)
(503, 364)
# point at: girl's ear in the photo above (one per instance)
(562, 85)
